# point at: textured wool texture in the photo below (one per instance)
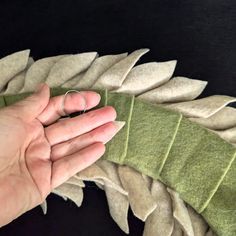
(182, 169)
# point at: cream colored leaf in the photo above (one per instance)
(178, 89)
(44, 207)
(73, 81)
(114, 76)
(147, 76)
(11, 65)
(68, 67)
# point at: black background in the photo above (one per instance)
(200, 34)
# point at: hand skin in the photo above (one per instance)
(40, 152)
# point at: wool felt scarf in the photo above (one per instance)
(164, 145)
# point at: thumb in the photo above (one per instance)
(30, 107)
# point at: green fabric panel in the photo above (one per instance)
(221, 210)
(116, 148)
(152, 131)
(2, 102)
(197, 163)
(11, 99)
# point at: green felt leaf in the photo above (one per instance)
(11, 99)
(2, 102)
(116, 148)
(221, 210)
(197, 163)
(152, 131)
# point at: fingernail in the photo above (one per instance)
(39, 87)
(119, 125)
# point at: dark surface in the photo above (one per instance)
(200, 34)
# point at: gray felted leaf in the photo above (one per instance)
(147, 76)
(223, 119)
(73, 81)
(17, 82)
(141, 201)
(98, 67)
(177, 231)
(178, 89)
(160, 221)
(11, 65)
(76, 181)
(114, 76)
(68, 67)
(38, 72)
(180, 213)
(44, 207)
(203, 107)
(228, 134)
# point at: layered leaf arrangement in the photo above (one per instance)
(173, 161)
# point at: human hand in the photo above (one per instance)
(35, 159)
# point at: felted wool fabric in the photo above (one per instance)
(154, 140)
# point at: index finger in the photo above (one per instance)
(73, 102)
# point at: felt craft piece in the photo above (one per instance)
(197, 156)
(212, 110)
(203, 107)
(44, 207)
(69, 66)
(38, 72)
(223, 119)
(177, 231)
(141, 201)
(72, 82)
(178, 89)
(98, 67)
(153, 73)
(113, 77)
(148, 154)
(17, 82)
(181, 213)
(11, 65)
(160, 221)
(199, 225)
(228, 134)
(118, 203)
(76, 181)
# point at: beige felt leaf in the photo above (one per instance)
(114, 76)
(223, 119)
(160, 221)
(73, 81)
(178, 89)
(70, 191)
(98, 67)
(11, 65)
(141, 201)
(68, 67)
(44, 207)
(147, 76)
(118, 203)
(17, 82)
(177, 231)
(198, 223)
(210, 233)
(38, 72)
(203, 107)
(229, 134)
(95, 173)
(148, 180)
(180, 213)
(76, 181)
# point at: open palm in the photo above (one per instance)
(39, 151)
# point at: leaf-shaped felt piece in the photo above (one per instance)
(75, 181)
(228, 134)
(68, 67)
(151, 133)
(141, 201)
(203, 107)
(123, 106)
(197, 156)
(147, 76)
(220, 212)
(178, 89)
(11, 65)
(38, 72)
(210, 233)
(73, 81)
(223, 119)
(118, 203)
(2, 102)
(160, 221)
(44, 207)
(198, 223)
(180, 213)
(98, 67)
(70, 191)
(114, 76)
(17, 82)
(177, 231)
